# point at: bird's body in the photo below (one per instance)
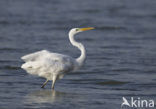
(53, 66)
(46, 64)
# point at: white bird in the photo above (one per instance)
(53, 66)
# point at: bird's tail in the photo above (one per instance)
(31, 67)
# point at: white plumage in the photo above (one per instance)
(53, 66)
(43, 63)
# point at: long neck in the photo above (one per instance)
(80, 46)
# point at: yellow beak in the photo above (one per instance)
(85, 29)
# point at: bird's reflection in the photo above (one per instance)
(45, 96)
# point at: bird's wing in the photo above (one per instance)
(45, 58)
(49, 63)
(34, 56)
(62, 63)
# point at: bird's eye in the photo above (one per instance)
(77, 29)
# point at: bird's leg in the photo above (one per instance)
(44, 84)
(54, 80)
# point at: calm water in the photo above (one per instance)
(121, 52)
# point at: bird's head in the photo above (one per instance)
(77, 30)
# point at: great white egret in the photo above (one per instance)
(53, 66)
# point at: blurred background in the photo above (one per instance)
(121, 52)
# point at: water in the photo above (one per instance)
(121, 52)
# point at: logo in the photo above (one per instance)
(137, 102)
